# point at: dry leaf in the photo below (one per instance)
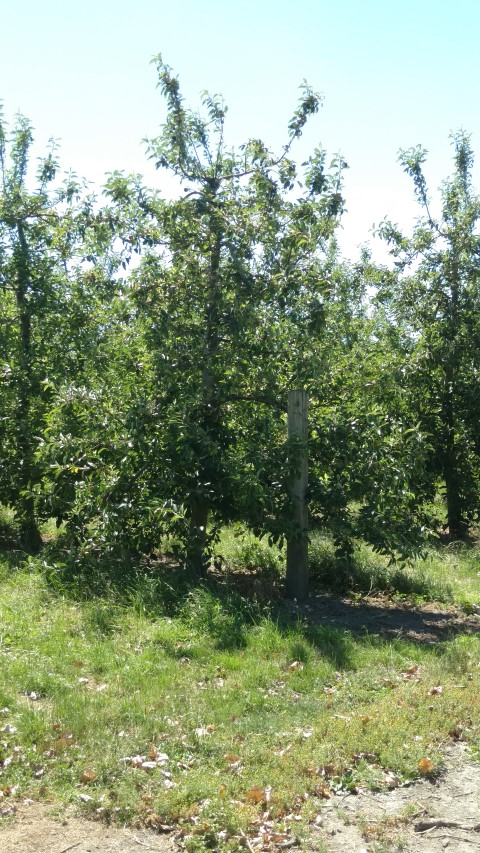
(255, 795)
(276, 838)
(134, 760)
(425, 766)
(62, 744)
(391, 780)
(369, 757)
(88, 776)
(324, 792)
(457, 732)
(231, 757)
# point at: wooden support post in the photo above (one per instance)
(297, 545)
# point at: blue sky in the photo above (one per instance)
(394, 74)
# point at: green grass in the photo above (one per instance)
(447, 574)
(240, 703)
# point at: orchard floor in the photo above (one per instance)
(377, 614)
(427, 816)
(424, 817)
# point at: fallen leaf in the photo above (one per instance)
(134, 760)
(456, 732)
(255, 795)
(425, 766)
(88, 776)
(369, 757)
(391, 780)
(324, 792)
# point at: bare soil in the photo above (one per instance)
(424, 817)
(35, 829)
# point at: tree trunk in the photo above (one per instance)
(297, 545)
(197, 556)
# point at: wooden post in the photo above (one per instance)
(297, 546)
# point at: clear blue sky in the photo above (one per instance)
(394, 74)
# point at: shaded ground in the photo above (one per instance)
(425, 623)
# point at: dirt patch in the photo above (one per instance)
(425, 623)
(424, 817)
(33, 829)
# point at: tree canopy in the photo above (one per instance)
(147, 346)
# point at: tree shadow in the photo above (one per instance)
(425, 623)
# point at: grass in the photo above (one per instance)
(232, 713)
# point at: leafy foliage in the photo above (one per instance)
(436, 307)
